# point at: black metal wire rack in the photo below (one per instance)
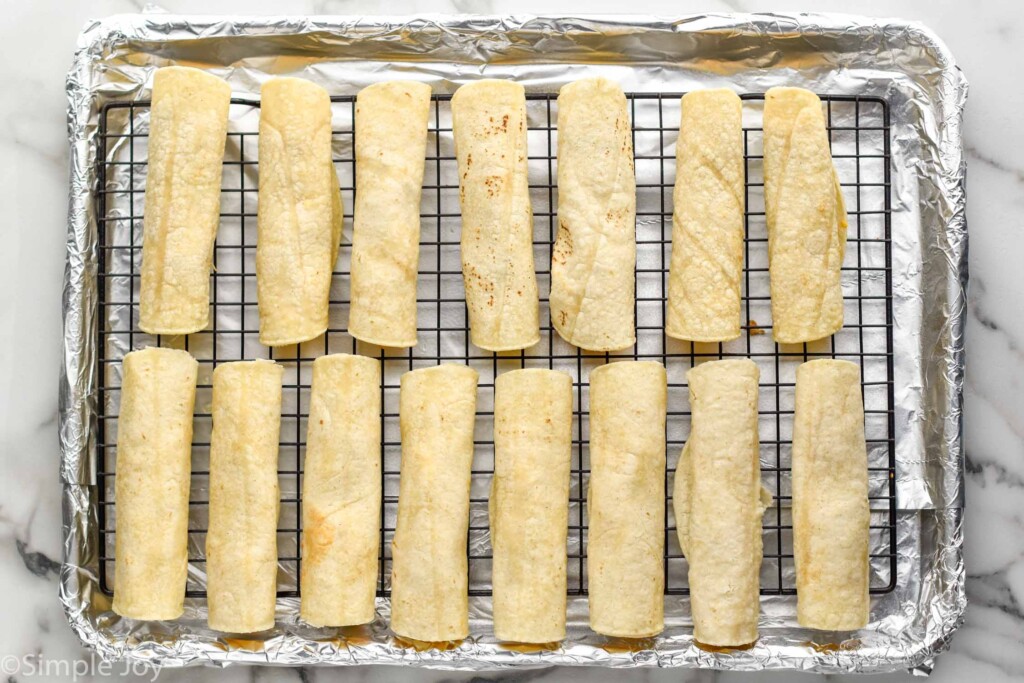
(859, 131)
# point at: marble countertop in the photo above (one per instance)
(33, 162)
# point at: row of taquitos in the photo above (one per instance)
(717, 497)
(594, 254)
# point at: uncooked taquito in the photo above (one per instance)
(626, 499)
(430, 569)
(593, 260)
(707, 223)
(806, 218)
(188, 125)
(154, 447)
(391, 148)
(718, 503)
(241, 544)
(529, 504)
(299, 212)
(831, 514)
(489, 123)
(341, 492)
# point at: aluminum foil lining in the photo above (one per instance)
(899, 61)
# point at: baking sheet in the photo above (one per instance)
(902, 63)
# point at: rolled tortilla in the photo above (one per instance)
(489, 122)
(593, 260)
(154, 447)
(831, 515)
(341, 492)
(626, 499)
(241, 544)
(718, 503)
(391, 147)
(300, 212)
(529, 504)
(707, 224)
(187, 132)
(430, 570)
(806, 218)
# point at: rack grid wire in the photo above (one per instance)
(859, 132)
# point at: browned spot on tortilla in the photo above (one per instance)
(318, 535)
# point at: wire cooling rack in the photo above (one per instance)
(859, 132)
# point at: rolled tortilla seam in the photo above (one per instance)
(341, 492)
(489, 124)
(719, 502)
(831, 511)
(299, 212)
(430, 569)
(593, 260)
(187, 133)
(154, 448)
(806, 218)
(707, 222)
(391, 142)
(241, 543)
(626, 499)
(529, 504)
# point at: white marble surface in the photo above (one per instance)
(38, 39)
